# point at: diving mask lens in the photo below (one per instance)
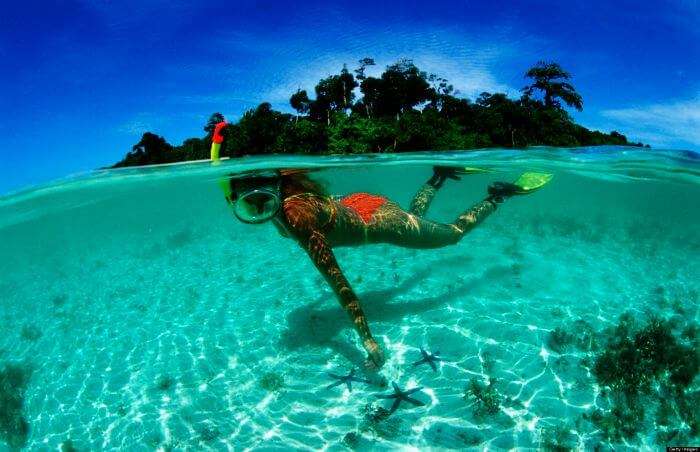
(257, 206)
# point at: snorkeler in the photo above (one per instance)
(301, 209)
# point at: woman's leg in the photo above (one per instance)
(393, 225)
(475, 215)
(422, 199)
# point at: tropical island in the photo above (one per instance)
(404, 109)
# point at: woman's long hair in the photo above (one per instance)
(295, 181)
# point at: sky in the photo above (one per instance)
(81, 80)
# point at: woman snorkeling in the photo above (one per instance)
(300, 209)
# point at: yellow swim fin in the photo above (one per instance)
(529, 182)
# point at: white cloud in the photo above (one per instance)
(469, 63)
(675, 123)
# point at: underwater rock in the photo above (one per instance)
(378, 421)
(153, 440)
(209, 433)
(271, 382)
(14, 428)
(67, 446)
(179, 239)
(31, 333)
(164, 382)
(59, 300)
(557, 312)
(451, 437)
(351, 440)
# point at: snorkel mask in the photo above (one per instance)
(255, 199)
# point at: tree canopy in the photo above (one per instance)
(552, 81)
(403, 109)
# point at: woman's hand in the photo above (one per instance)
(375, 355)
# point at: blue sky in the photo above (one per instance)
(82, 80)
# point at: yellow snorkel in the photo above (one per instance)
(216, 140)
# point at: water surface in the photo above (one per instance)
(141, 315)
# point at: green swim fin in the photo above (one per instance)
(529, 182)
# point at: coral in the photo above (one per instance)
(559, 340)
(646, 365)
(622, 421)
(632, 360)
(486, 398)
(14, 428)
(580, 335)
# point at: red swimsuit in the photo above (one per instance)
(364, 204)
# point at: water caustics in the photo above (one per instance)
(139, 314)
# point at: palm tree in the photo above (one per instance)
(552, 81)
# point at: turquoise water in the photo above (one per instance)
(138, 314)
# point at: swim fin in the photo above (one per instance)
(442, 173)
(526, 183)
(529, 182)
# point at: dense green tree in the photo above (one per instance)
(300, 102)
(193, 149)
(257, 131)
(403, 109)
(150, 150)
(402, 87)
(552, 81)
(302, 136)
(360, 71)
(333, 93)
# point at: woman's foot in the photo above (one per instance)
(499, 191)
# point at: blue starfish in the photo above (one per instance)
(401, 396)
(428, 358)
(347, 379)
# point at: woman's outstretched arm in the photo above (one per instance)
(323, 258)
(307, 217)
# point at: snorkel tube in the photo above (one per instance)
(216, 141)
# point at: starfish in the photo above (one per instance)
(347, 379)
(401, 396)
(428, 358)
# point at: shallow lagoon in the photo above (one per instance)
(139, 314)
